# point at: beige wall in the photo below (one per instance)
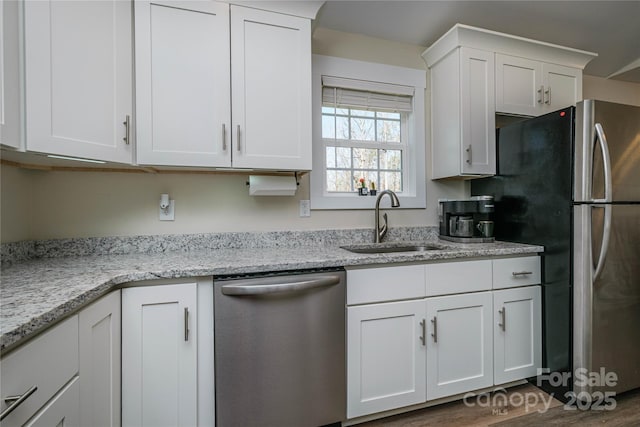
(610, 90)
(44, 205)
(16, 207)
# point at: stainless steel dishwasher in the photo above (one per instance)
(280, 350)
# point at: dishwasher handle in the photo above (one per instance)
(253, 287)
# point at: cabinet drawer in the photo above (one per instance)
(48, 362)
(457, 277)
(385, 284)
(513, 272)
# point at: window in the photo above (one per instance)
(366, 128)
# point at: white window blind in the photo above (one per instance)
(350, 93)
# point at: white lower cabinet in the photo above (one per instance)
(43, 370)
(385, 357)
(167, 361)
(159, 355)
(99, 343)
(517, 333)
(460, 344)
(418, 333)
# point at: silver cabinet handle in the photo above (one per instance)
(521, 273)
(540, 91)
(224, 138)
(243, 288)
(435, 329)
(423, 337)
(127, 127)
(186, 324)
(238, 138)
(548, 98)
(16, 401)
(503, 317)
(469, 154)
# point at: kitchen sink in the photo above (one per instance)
(388, 248)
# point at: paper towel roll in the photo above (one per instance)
(272, 185)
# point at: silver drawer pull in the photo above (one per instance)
(435, 329)
(503, 316)
(423, 325)
(16, 401)
(224, 138)
(127, 129)
(521, 273)
(186, 324)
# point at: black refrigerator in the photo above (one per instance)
(570, 181)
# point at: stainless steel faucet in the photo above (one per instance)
(382, 231)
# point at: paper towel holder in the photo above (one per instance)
(273, 185)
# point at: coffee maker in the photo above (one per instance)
(467, 220)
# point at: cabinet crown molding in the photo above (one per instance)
(479, 38)
(303, 9)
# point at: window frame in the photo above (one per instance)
(402, 146)
(414, 185)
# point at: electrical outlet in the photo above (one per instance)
(305, 208)
(167, 214)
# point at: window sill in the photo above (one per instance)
(353, 201)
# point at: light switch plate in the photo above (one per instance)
(167, 215)
(305, 208)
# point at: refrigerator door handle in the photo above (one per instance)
(604, 247)
(601, 138)
(608, 197)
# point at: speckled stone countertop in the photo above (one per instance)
(36, 293)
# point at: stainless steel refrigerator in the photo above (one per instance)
(570, 181)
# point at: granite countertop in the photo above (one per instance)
(39, 292)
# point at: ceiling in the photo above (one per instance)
(609, 28)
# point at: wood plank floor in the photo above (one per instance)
(517, 412)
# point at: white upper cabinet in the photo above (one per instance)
(462, 108)
(10, 76)
(531, 88)
(222, 86)
(476, 73)
(271, 88)
(183, 100)
(78, 59)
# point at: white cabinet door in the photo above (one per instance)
(10, 75)
(562, 86)
(183, 106)
(385, 357)
(78, 78)
(99, 343)
(517, 333)
(477, 91)
(532, 88)
(519, 85)
(159, 355)
(271, 89)
(463, 114)
(459, 344)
